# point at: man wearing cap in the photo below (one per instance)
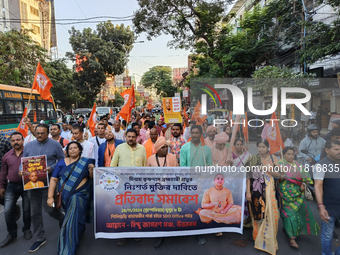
(211, 131)
(335, 124)
(162, 158)
(219, 150)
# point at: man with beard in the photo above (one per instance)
(176, 141)
(107, 149)
(10, 176)
(211, 131)
(150, 143)
(130, 153)
(311, 145)
(117, 131)
(55, 133)
(327, 193)
(194, 154)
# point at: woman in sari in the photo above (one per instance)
(260, 194)
(240, 156)
(296, 214)
(76, 196)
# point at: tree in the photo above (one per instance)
(322, 39)
(64, 91)
(159, 78)
(103, 52)
(118, 101)
(19, 58)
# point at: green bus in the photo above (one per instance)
(13, 101)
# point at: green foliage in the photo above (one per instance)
(119, 100)
(63, 90)
(106, 52)
(159, 78)
(19, 58)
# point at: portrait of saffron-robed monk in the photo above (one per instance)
(218, 204)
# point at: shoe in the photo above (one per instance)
(121, 242)
(293, 244)
(17, 212)
(28, 234)
(37, 245)
(158, 242)
(201, 240)
(7, 241)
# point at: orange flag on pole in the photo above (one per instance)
(23, 128)
(93, 119)
(42, 84)
(35, 116)
(129, 103)
(274, 136)
(245, 129)
(111, 112)
(196, 115)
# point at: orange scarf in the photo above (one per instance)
(109, 151)
(150, 148)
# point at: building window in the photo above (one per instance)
(34, 11)
(23, 12)
(36, 29)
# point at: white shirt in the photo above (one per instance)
(65, 134)
(88, 149)
(119, 135)
(187, 134)
(29, 138)
(288, 143)
(96, 146)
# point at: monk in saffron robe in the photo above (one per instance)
(34, 183)
(219, 150)
(218, 204)
(150, 143)
(162, 158)
(211, 133)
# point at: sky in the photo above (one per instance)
(142, 57)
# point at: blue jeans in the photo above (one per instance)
(327, 236)
(13, 192)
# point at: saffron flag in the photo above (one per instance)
(23, 128)
(35, 116)
(196, 115)
(274, 136)
(42, 84)
(129, 103)
(111, 112)
(93, 119)
(245, 129)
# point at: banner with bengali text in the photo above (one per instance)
(162, 201)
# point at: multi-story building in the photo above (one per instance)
(36, 15)
(326, 93)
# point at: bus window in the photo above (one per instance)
(30, 110)
(50, 111)
(18, 107)
(1, 108)
(9, 105)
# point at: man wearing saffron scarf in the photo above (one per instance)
(211, 131)
(150, 143)
(107, 149)
(219, 151)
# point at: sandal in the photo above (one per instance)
(293, 243)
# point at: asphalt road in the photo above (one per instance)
(229, 243)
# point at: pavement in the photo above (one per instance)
(230, 243)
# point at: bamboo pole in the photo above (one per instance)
(29, 101)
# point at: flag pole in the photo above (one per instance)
(55, 108)
(29, 101)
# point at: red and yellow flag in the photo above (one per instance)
(129, 103)
(23, 128)
(274, 136)
(93, 119)
(42, 83)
